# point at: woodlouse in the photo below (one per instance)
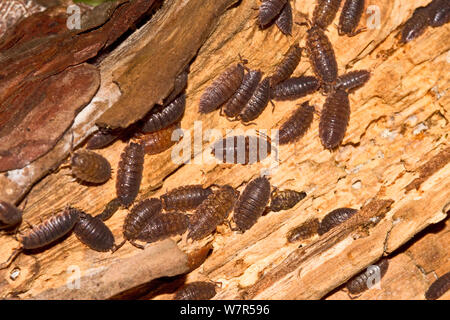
(321, 55)
(257, 103)
(10, 215)
(212, 212)
(185, 197)
(438, 287)
(324, 12)
(103, 138)
(335, 218)
(287, 66)
(162, 117)
(129, 174)
(439, 11)
(269, 10)
(221, 89)
(90, 167)
(158, 141)
(199, 290)
(303, 231)
(94, 233)
(163, 226)
(297, 124)
(179, 85)
(251, 203)
(284, 19)
(352, 80)
(295, 88)
(242, 149)
(46, 233)
(240, 98)
(334, 119)
(415, 25)
(109, 210)
(285, 199)
(350, 16)
(359, 283)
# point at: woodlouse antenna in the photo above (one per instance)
(11, 258)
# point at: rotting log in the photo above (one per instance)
(398, 126)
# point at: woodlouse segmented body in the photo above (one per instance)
(352, 80)
(257, 103)
(200, 290)
(212, 212)
(295, 88)
(334, 119)
(297, 124)
(221, 89)
(163, 226)
(185, 197)
(94, 233)
(110, 208)
(362, 281)
(51, 229)
(10, 215)
(335, 218)
(350, 16)
(321, 55)
(251, 203)
(325, 12)
(285, 199)
(287, 66)
(129, 174)
(162, 118)
(304, 231)
(240, 98)
(268, 10)
(242, 149)
(439, 11)
(90, 167)
(102, 138)
(284, 20)
(415, 25)
(140, 216)
(179, 85)
(158, 141)
(439, 287)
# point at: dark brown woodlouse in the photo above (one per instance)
(295, 88)
(129, 174)
(287, 66)
(199, 290)
(251, 203)
(439, 11)
(242, 149)
(103, 138)
(335, 218)
(285, 199)
(359, 283)
(162, 117)
(303, 231)
(240, 98)
(352, 80)
(324, 12)
(212, 212)
(179, 85)
(416, 25)
(269, 10)
(140, 215)
(350, 16)
(185, 198)
(284, 19)
(221, 89)
(158, 141)
(90, 167)
(257, 103)
(334, 119)
(94, 233)
(163, 226)
(297, 124)
(45, 233)
(321, 55)
(10, 215)
(439, 287)
(109, 210)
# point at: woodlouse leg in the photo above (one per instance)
(354, 33)
(137, 245)
(230, 226)
(11, 258)
(273, 105)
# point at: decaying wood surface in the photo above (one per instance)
(398, 133)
